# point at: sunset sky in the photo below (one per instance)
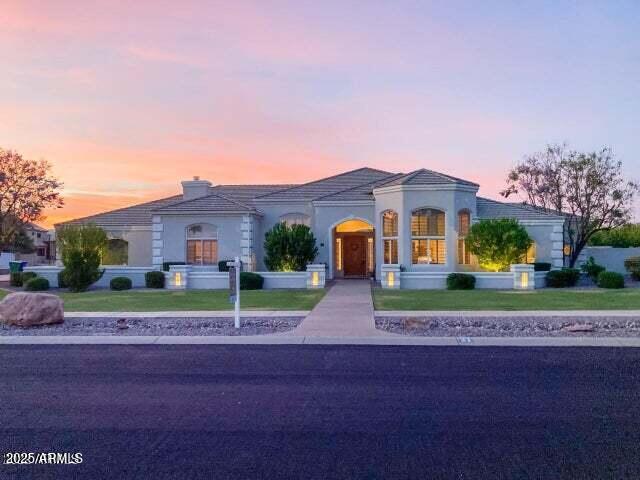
(126, 99)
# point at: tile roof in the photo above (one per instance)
(487, 209)
(211, 203)
(428, 177)
(359, 193)
(328, 186)
(136, 215)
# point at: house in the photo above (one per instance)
(362, 219)
(43, 243)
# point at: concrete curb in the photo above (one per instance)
(309, 340)
(189, 314)
(507, 313)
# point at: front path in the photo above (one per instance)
(345, 311)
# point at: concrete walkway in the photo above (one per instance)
(345, 311)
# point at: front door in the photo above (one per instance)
(355, 256)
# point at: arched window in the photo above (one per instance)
(116, 253)
(296, 219)
(390, 237)
(202, 244)
(428, 237)
(464, 223)
(530, 256)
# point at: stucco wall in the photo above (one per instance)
(610, 258)
(174, 237)
(139, 244)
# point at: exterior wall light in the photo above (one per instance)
(315, 279)
(524, 280)
(177, 279)
(391, 279)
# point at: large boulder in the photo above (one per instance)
(28, 309)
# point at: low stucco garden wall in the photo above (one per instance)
(609, 257)
(136, 274)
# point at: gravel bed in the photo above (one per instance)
(454, 326)
(160, 326)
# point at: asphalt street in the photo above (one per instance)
(301, 411)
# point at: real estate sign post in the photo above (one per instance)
(234, 288)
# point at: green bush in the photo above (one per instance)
(37, 284)
(222, 265)
(154, 279)
(461, 281)
(62, 280)
(166, 265)
(498, 243)
(610, 280)
(566, 277)
(592, 269)
(632, 264)
(289, 248)
(251, 281)
(541, 266)
(82, 248)
(15, 279)
(120, 283)
(621, 237)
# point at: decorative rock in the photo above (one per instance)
(122, 324)
(580, 328)
(28, 309)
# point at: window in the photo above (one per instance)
(116, 253)
(41, 252)
(389, 237)
(428, 237)
(202, 244)
(464, 222)
(339, 254)
(296, 219)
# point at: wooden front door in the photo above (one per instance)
(355, 256)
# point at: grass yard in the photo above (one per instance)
(150, 301)
(626, 299)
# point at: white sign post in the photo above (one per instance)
(234, 288)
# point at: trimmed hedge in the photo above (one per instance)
(37, 284)
(541, 267)
(62, 281)
(461, 281)
(154, 279)
(222, 265)
(120, 283)
(251, 281)
(18, 279)
(610, 280)
(166, 265)
(566, 277)
(592, 269)
(632, 264)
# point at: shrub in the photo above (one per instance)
(15, 279)
(566, 277)
(166, 265)
(289, 248)
(498, 243)
(592, 269)
(154, 279)
(120, 283)
(251, 281)
(222, 265)
(632, 265)
(37, 284)
(62, 280)
(621, 237)
(541, 266)
(461, 281)
(81, 248)
(610, 280)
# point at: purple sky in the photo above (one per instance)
(128, 98)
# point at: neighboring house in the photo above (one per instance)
(43, 242)
(362, 219)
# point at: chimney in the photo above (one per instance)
(195, 188)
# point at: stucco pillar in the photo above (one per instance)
(557, 246)
(246, 244)
(316, 275)
(523, 276)
(390, 277)
(157, 243)
(177, 278)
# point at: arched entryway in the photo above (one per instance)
(353, 249)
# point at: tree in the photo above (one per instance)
(587, 188)
(81, 250)
(289, 248)
(22, 243)
(498, 243)
(26, 189)
(625, 236)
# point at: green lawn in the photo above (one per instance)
(627, 299)
(146, 301)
